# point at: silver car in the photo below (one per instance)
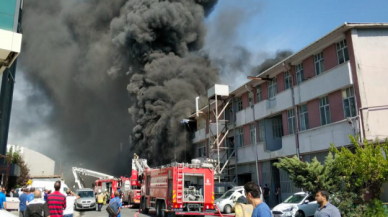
(87, 200)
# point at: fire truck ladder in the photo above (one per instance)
(81, 171)
(180, 183)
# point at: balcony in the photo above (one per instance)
(318, 139)
(334, 79)
(199, 135)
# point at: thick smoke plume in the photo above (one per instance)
(87, 63)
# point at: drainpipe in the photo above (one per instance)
(254, 122)
(296, 129)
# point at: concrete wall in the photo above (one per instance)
(371, 53)
(38, 163)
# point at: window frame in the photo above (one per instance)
(259, 93)
(324, 104)
(342, 48)
(239, 103)
(261, 126)
(252, 130)
(299, 72)
(291, 121)
(277, 128)
(272, 88)
(303, 114)
(287, 80)
(204, 151)
(349, 95)
(320, 61)
(240, 136)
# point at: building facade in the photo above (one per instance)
(39, 164)
(333, 88)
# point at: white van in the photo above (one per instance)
(48, 183)
(227, 201)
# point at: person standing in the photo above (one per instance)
(325, 208)
(45, 195)
(2, 200)
(30, 196)
(56, 201)
(267, 193)
(100, 199)
(37, 207)
(70, 200)
(277, 194)
(23, 203)
(252, 193)
(116, 199)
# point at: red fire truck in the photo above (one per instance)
(131, 190)
(111, 185)
(179, 189)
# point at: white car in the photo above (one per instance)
(228, 200)
(300, 204)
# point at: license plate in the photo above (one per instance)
(85, 206)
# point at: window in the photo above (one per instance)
(319, 65)
(239, 103)
(277, 128)
(261, 131)
(291, 121)
(349, 102)
(303, 117)
(342, 51)
(259, 94)
(202, 151)
(299, 73)
(253, 134)
(324, 110)
(287, 80)
(272, 88)
(240, 137)
(250, 99)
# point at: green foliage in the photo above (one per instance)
(14, 157)
(366, 168)
(375, 208)
(345, 202)
(310, 176)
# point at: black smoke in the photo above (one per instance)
(87, 63)
(268, 63)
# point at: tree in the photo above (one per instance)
(15, 158)
(310, 176)
(365, 168)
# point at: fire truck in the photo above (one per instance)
(132, 194)
(179, 189)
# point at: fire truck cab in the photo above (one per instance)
(111, 185)
(179, 188)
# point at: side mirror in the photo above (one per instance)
(306, 201)
(233, 198)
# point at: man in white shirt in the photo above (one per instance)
(70, 199)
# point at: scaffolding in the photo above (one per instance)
(218, 102)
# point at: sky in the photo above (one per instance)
(284, 24)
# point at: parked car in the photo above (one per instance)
(87, 200)
(300, 204)
(221, 187)
(227, 201)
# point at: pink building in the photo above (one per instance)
(333, 88)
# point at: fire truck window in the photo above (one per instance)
(148, 185)
(194, 187)
(170, 189)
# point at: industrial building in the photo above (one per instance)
(333, 88)
(39, 164)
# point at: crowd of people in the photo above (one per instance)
(34, 203)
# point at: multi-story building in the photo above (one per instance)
(10, 45)
(333, 88)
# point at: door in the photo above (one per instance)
(312, 205)
(148, 183)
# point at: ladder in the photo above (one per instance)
(180, 184)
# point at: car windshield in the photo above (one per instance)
(296, 198)
(83, 194)
(227, 194)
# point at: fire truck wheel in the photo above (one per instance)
(143, 205)
(228, 209)
(158, 208)
(162, 208)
